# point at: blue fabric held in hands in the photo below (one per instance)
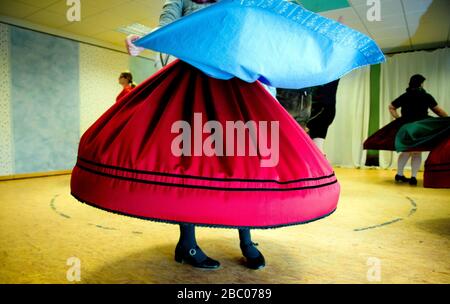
(277, 42)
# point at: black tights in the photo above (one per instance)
(188, 241)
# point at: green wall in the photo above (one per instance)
(374, 119)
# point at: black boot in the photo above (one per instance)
(255, 259)
(195, 257)
(256, 262)
(187, 250)
(401, 178)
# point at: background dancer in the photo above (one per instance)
(126, 81)
(323, 112)
(414, 106)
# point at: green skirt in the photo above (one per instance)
(415, 136)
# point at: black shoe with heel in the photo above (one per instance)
(195, 257)
(255, 263)
(413, 181)
(401, 178)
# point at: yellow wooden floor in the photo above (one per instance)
(405, 229)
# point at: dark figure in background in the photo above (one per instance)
(323, 112)
(414, 104)
(297, 103)
(313, 108)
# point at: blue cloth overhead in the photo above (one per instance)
(277, 42)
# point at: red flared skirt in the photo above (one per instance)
(384, 139)
(126, 162)
(437, 167)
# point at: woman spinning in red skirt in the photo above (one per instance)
(203, 143)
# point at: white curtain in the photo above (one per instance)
(343, 145)
(395, 74)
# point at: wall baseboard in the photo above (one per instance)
(34, 175)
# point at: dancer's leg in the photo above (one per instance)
(319, 143)
(248, 249)
(402, 160)
(187, 236)
(318, 127)
(188, 251)
(255, 259)
(416, 161)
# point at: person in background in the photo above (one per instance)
(126, 81)
(314, 108)
(297, 103)
(414, 104)
(323, 112)
(323, 109)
